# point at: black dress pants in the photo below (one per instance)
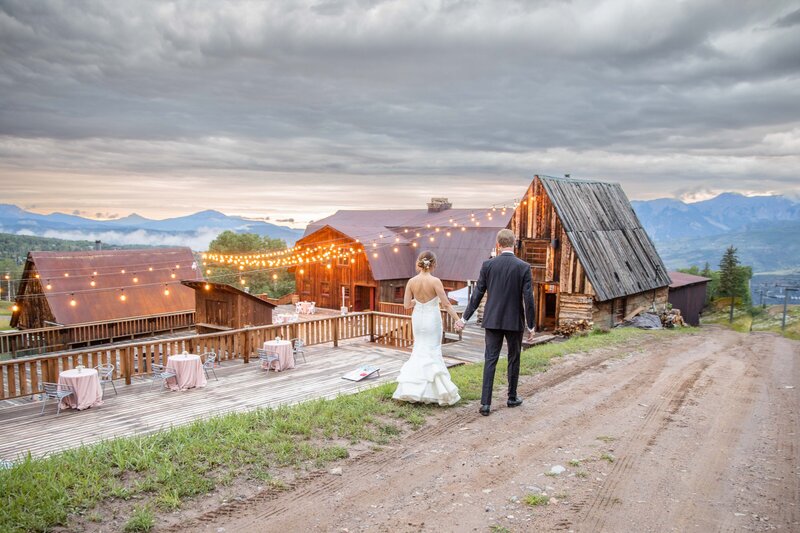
(494, 343)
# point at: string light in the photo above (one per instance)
(66, 274)
(166, 290)
(14, 308)
(208, 286)
(122, 296)
(274, 276)
(135, 278)
(93, 282)
(72, 301)
(122, 271)
(48, 286)
(150, 269)
(172, 275)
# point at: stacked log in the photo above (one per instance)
(571, 327)
(671, 318)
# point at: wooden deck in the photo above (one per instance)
(241, 387)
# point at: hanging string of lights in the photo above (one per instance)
(322, 250)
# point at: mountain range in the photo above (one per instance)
(195, 230)
(764, 229)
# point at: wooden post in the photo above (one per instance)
(336, 332)
(372, 327)
(127, 364)
(246, 347)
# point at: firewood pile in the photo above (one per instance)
(671, 318)
(567, 329)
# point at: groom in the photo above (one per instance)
(508, 281)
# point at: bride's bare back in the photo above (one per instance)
(423, 288)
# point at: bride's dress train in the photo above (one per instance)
(424, 377)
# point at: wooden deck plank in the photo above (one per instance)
(241, 387)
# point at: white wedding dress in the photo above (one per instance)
(424, 377)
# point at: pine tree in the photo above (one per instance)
(730, 277)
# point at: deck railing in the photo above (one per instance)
(44, 340)
(23, 377)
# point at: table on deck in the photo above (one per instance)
(85, 383)
(188, 370)
(283, 349)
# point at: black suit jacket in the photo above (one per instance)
(507, 279)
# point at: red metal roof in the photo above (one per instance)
(680, 279)
(459, 256)
(102, 302)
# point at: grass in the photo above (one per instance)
(608, 457)
(768, 319)
(162, 470)
(534, 500)
(142, 519)
(574, 462)
(498, 529)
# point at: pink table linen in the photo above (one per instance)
(188, 370)
(283, 349)
(85, 384)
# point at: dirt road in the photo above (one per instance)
(692, 433)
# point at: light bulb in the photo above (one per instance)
(302, 271)
(48, 286)
(92, 283)
(208, 287)
(135, 279)
(66, 274)
(122, 296)
(122, 271)
(15, 308)
(72, 302)
(166, 290)
(274, 276)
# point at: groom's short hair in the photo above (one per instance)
(505, 238)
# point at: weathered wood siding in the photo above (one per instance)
(574, 307)
(230, 310)
(323, 284)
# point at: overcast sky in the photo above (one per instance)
(298, 108)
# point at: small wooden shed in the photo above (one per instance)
(220, 307)
(688, 293)
(590, 257)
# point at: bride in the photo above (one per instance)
(424, 377)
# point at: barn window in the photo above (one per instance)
(325, 288)
(399, 293)
(343, 260)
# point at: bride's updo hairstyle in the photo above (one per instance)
(426, 261)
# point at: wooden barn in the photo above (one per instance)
(68, 288)
(589, 255)
(376, 250)
(221, 307)
(688, 293)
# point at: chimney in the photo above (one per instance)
(98, 245)
(437, 205)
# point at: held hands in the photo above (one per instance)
(531, 335)
(459, 325)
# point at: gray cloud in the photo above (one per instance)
(341, 103)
